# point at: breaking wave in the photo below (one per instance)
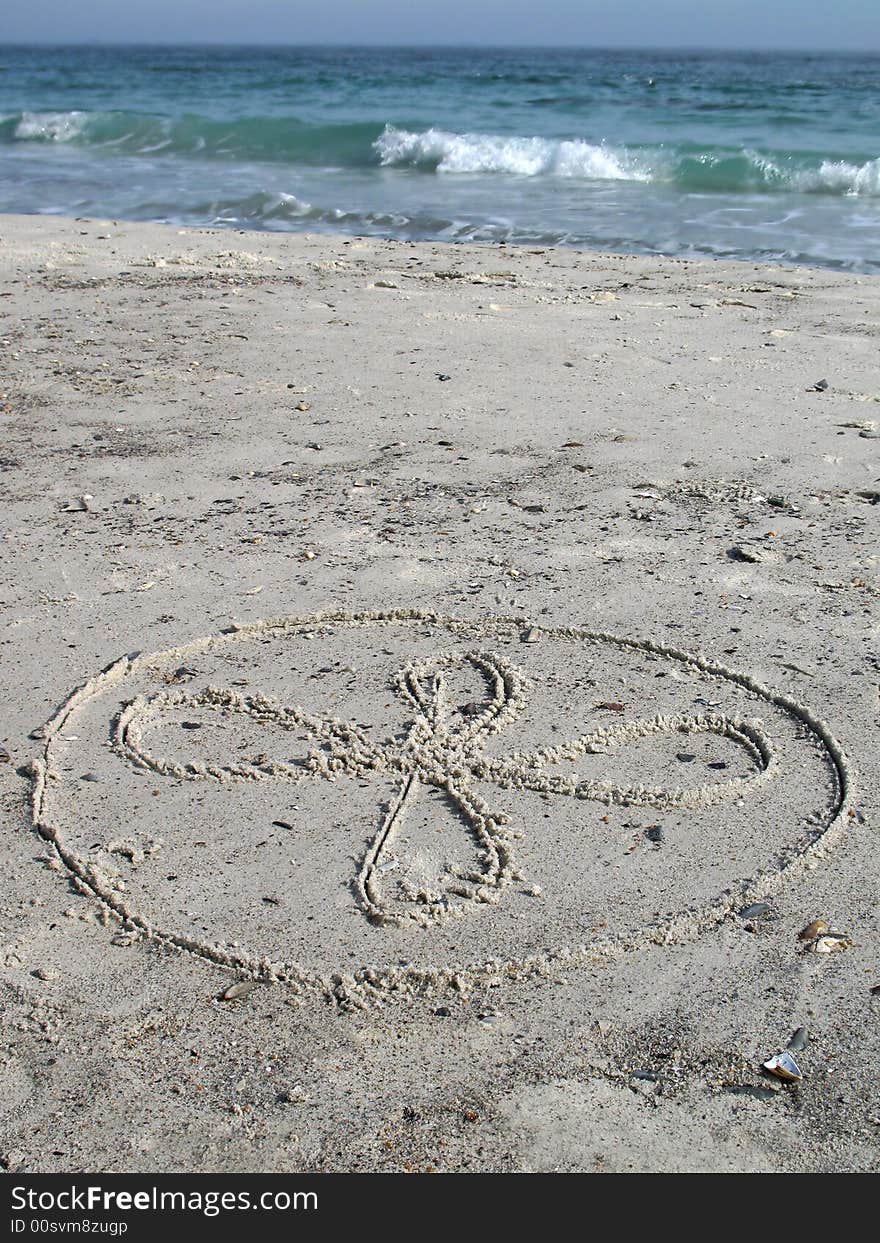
(288, 140)
(442, 152)
(718, 170)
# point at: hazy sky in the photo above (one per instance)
(811, 24)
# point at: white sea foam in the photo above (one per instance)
(492, 153)
(50, 126)
(831, 176)
(849, 178)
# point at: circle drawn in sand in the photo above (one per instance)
(447, 749)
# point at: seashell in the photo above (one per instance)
(82, 504)
(813, 930)
(238, 991)
(784, 1066)
(833, 943)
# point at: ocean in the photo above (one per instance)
(750, 155)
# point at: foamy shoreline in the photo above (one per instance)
(200, 429)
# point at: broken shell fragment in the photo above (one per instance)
(832, 943)
(238, 991)
(798, 1041)
(784, 1066)
(755, 911)
(813, 930)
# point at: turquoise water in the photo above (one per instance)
(740, 155)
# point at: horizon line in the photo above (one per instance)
(425, 46)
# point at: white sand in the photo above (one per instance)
(511, 872)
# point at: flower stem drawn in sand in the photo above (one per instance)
(443, 750)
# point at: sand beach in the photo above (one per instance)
(480, 696)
